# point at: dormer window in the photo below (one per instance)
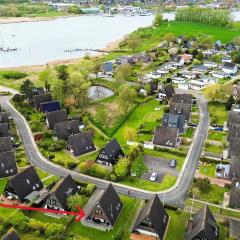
(27, 180)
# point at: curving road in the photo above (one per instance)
(174, 196)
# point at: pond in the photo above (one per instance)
(99, 92)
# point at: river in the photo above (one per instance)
(45, 41)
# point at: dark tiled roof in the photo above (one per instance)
(63, 189)
(111, 152)
(169, 90)
(65, 129)
(4, 130)
(229, 65)
(25, 183)
(110, 204)
(234, 200)
(3, 117)
(37, 91)
(50, 106)
(233, 118)
(81, 143)
(202, 226)
(11, 235)
(233, 132)
(174, 121)
(56, 117)
(155, 212)
(235, 167)
(5, 144)
(41, 98)
(165, 136)
(181, 108)
(182, 98)
(234, 149)
(8, 165)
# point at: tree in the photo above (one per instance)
(46, 76)
(229, 103)
(158, 20)
(27, 88)
(236, 40)
(70, 102)
(75, 201)
(97, 68)
(20, 220)
(126, 98)
(147, 87)
(211, 92)
(134, 43)
(122, 167)
(130, 133)
(58, 90)
(63, 74)
(123, 74)
(203, 184)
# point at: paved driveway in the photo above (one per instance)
(158, 165)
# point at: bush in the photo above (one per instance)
(14, 75)
(57, 146)
(90, 189)
(203, 184)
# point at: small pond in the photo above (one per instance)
(99, 92)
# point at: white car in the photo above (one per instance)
(153, 177)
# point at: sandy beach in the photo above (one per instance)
(6, 20)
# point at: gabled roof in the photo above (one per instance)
(107, 67)
(11, 235)
(229, 65)
(41, 98)
(202, 226)
(234, 149)
(233, 132)
(155, 212)
(234, 200)
(56, 117)
(5, 144)
(50, 106)
(81, 143)
(110, 204)
(234, 167)
(182, 98)
(165, 136)
(63, 189)
(66, 129)
(8, 166)
(38, 90)
(3, 117)
(113, 150)
(169, 90)
(180, 108)
(170, 119)
(25, 183)
(4, 130)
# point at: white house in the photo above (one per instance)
(178, 80)
(197, 84)
(189, 75)
(226, 59)
(210, 64)
(230, 68)
(219, 74)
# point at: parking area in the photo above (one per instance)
(158, 165)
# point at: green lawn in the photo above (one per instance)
(146, 115)
(123, 223)
(208, 170)
(211, 148)
(189, 132)
(217, 136)
(167, 182)
(3, 183)
(218, 113)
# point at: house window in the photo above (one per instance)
(2, 165)
(28, 182)
(53, 201)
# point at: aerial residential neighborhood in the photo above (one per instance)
(119, 120)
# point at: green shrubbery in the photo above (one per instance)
(14, 75)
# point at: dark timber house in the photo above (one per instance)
(5, 144)
(24, 185)
(8, 166)
(11, 235)
(106, 209)
(60, 192)
(234, 201)
(41, 98)
(203, 226)
(65, 129)
(50, 106)
(110, 153)
(81, 143)
(56, 117)
(4, 130)
(152, 221)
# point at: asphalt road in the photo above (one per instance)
(174, 196)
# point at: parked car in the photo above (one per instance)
(153, 177)
(173, 163)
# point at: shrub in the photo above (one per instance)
(14, 75)
(90, 189)
(57, 146)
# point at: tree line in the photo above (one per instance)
(202, 15)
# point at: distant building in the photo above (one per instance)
(41, 98)
(181, 109)
(106, 209)
(230, 68)
(203, 226)
(152, 221)
(236, 92)
(81, 143)
(110, 153)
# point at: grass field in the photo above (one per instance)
(217, 136)
(213, 148)
(208, 170)
(218, 113)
